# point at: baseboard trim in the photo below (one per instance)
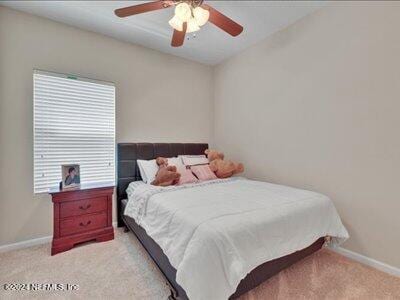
(26, 244)
(32, 242)
(367, 261)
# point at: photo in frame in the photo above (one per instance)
(70, 175)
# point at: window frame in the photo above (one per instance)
(82, 79)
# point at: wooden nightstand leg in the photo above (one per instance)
(105, 237)
(59, 249)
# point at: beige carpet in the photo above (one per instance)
(121, 269)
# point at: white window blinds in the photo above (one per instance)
(74, 123)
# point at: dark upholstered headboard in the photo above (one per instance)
(128, 153)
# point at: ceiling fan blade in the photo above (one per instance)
(222, 21)
(179, 36)
(141, 8)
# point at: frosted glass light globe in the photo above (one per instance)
(183, 11)
(192, 25)
(201, 15)
(176, 23)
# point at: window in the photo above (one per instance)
(74, 123)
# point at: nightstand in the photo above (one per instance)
(81, 215)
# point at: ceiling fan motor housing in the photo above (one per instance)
(193, 3)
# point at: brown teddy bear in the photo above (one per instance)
(222, 168)
(166, 175)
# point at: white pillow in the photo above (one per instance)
(193, 160)
(148, 169)
(175, 161)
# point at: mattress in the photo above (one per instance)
(215, 233)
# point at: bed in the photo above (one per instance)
(167, 257)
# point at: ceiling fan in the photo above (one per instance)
(189, 16)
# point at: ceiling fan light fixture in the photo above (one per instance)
(176, 23)
(201, 15)
(183, 11)
(192, 25)
(189, 16)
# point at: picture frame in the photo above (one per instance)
(70, 175)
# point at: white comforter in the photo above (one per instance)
(215, 233)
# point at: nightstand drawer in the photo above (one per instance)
(81, 207)
(83, 223)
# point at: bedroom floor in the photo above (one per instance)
(121, 269)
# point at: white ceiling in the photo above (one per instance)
(210, 46)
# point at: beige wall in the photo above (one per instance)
(159, 98)
(317, 106)
(314, 106)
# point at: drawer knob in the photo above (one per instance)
(85, 208)
(84, 225)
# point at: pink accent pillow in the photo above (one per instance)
(194, 160)
(203, 173)
(186, 176)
